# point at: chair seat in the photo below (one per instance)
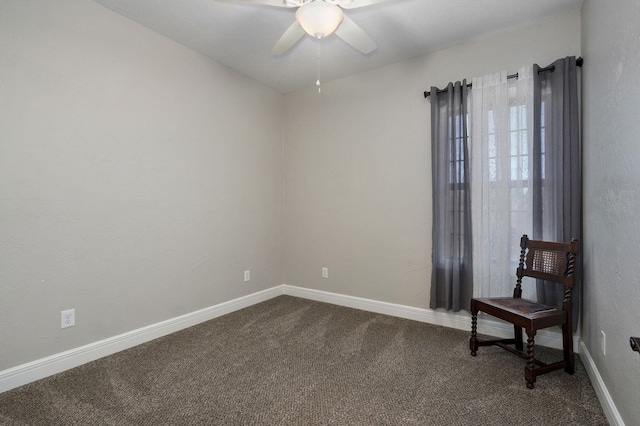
(517, 305)
(519, 311)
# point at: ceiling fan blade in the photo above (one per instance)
(276, 3)
(361, 3)
(288, 39)
(352, 34)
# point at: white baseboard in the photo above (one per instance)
(609, 407)
(459, 321)
(39, 369)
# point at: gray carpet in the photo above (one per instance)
(291, 361)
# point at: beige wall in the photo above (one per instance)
(611, 132)
(357, 166)
(138, 179)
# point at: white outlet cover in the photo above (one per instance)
(247, 276)
(68, 318)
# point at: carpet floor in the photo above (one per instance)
(291, 361)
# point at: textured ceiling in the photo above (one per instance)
(241, 35)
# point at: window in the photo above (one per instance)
(457, 175)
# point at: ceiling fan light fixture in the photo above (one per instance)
(319, 18)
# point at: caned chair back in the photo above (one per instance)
(549, 261)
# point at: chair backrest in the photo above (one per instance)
(549, 261)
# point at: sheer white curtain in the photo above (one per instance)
(501, 199)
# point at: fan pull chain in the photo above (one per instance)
(318, 70)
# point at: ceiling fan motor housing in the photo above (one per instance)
(298, 3)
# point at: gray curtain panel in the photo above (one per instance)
(557, 185)
(452, 276)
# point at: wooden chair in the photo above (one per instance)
(547, 261)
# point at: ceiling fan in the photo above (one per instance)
(320, 18)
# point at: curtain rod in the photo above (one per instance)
(579, 62)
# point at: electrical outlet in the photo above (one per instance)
(68, 318)
(247, 276)
(604, 343)
(325, 272)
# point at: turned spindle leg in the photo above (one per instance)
(529, 372)
(473, 341)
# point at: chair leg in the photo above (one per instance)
(517, 331)
(529, 373)
(567, 347)
(473, 341)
